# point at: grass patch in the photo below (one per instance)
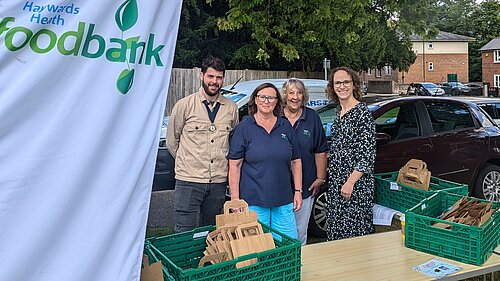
(159, 231)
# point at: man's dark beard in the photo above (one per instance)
(207, 90)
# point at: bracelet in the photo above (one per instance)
(322, 180)
(298, 190)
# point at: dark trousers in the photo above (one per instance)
(197, 204)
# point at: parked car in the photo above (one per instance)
(490, 105)
(164, 178)
(455, 88)
(424, 89)
(475, 89)
(455, 137)
(239, 92)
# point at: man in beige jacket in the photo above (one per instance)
(198, 138)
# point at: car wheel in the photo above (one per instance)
(318, 220)
(488, 183)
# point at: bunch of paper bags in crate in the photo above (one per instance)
(415, 174)
(237, 234)
(467, 211)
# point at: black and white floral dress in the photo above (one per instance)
(353, 148)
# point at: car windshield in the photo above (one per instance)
(373, 107)
(429, 85)
(234, 96)
(456, 84)
(327, 114)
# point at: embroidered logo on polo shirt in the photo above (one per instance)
(283, 136)
(306, 133)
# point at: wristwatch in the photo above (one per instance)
(298, 190)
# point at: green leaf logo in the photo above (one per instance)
(127, 14)
(125, 81)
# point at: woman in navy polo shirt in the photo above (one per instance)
(312, 142)
(263, 155)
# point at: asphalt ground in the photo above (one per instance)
(161, 209)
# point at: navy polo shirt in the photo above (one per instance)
(265, 171)
(312, 139)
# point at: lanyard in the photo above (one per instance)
(212, 114)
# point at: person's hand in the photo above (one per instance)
(346, 190)
(316, 186)
(297, 201)
(235, 210)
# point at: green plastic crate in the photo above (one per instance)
(408, 196)
(464, 243)
(180, 254)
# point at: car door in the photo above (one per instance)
(446, 87)
(405, 122)
(459, 142)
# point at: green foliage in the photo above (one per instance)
(466, 17)
(360, 33)
(199, 36)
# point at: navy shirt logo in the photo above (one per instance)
(283, 136)
(306, 133)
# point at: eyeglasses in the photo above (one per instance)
(270, 99)
(346, 83)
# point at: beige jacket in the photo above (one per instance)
(200, 155)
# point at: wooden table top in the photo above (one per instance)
(380, 256)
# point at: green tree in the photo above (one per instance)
(486, 26)
(199, 36)
(360, 33)
(466, 17)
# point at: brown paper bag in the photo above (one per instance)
(228, 218)
(153, 272)
(251, 239)
(415, 174)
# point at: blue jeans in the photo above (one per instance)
(279, 218)
(197, 204)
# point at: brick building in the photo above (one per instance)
(490, 54)
(445, 54)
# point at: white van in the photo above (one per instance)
(240, 92)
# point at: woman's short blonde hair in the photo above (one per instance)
(300, 86)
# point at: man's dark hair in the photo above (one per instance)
(214, 63)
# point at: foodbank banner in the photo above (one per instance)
(83, 87)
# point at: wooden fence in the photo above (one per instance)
(184, 82)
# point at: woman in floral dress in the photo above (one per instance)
(351, 159)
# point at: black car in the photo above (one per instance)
(455, 137)
(164, 178)
(475, 89)
(455, 88)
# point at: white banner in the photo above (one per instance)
(83, 87)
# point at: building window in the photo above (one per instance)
(496, 56)
(369, 72)
(496, 81)
(431, 66)
(378, 73)
(431, 45)
(387, 70)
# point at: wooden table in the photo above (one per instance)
(381, 256)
